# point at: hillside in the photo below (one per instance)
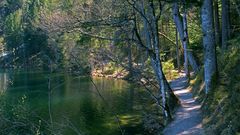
(221, 107)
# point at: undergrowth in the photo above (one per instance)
(221, 107)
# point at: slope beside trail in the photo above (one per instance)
(187, 118)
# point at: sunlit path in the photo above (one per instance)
(188, 119)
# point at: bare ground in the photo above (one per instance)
(188, 118)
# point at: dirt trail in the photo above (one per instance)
(188, 118)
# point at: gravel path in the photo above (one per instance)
(188, 119)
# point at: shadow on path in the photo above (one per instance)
(188, 118)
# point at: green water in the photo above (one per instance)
(75, 102)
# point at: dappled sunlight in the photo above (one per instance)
(111, 67)
(130, 119)
(4, 82)
(192, 131)
(193, 108)
(188, 117)
(189, 101)
(183, 115)
(178, 92)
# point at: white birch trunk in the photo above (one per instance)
(152, 42)
(179, 24)
(186, 41)
(177, 52)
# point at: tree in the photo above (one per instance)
(177, 52)
(150, 18)
(225, 23)
(216, 23)
(186, 40)
(181, 27)
(208, 43)
(13, 30)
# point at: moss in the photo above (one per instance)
(221, 107)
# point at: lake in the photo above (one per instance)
(74, 104)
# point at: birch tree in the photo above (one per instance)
(177, 52)
(149, 13)
(182, 28)
(138, 16)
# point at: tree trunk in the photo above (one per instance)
(225, 27)
(208, 43)
(216, 22)
(186, 41)
(193, 62)
(177, 52)
(152, 42)
(179, 24)
(228, 19)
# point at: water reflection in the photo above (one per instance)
(74, 100)
(4, 82)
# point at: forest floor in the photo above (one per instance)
(187, 118)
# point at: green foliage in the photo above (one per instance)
(13, 29)
(75, 49)
(18, 119)
(31, 10)
(35, 41)
(169, 70)
(110, 68)
(221, 107)
(26, 42)
(67, 4)
(13, 5)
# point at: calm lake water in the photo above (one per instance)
(75, 101)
